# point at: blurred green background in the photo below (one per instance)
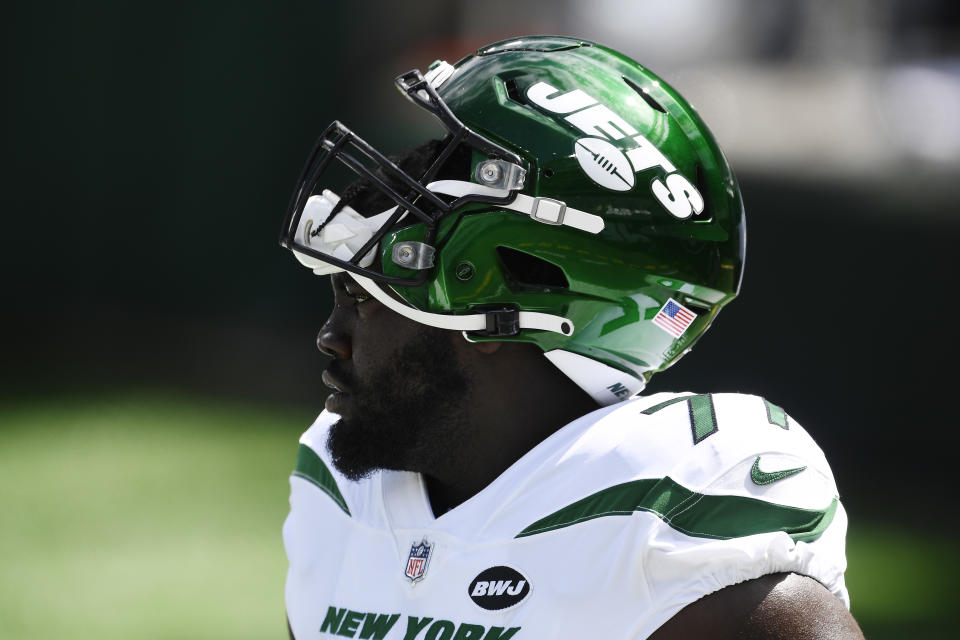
(160, 364)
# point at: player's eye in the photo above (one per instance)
(359, 296)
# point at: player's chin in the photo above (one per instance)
(352, 452)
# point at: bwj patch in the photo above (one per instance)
(418, 560)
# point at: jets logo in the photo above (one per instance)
(605, 163)
(498, 588)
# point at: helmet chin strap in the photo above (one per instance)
(469, 322)
(605, 384)
(348, 231)
(544, 210)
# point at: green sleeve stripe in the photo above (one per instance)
(311, 468)
(691, 513)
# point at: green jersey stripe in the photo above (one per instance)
(694, 514)
(311, 468)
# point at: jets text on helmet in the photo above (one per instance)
(675, 192)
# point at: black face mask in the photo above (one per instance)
(406, 193)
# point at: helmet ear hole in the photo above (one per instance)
(514, 92)
(523, 271)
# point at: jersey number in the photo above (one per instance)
(703, 417)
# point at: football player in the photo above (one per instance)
(485, 467)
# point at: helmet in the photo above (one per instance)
(593, 213)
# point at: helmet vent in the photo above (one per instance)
(523, 270)
(643, 94)
(697, 304)
(513, 91)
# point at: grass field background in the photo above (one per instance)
(151, 516)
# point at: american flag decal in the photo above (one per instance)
(674, 318)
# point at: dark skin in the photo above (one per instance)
(515, 403)
(516, 399)
(779, 606)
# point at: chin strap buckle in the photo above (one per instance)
(541, 209)
(548, 210)
(501, 323)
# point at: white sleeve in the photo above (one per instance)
(718, 526)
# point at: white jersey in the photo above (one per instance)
(606, 529)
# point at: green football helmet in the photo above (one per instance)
(595, 216)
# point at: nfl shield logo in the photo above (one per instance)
(417, 560)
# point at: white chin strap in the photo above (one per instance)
(470, 322)
(545, 210)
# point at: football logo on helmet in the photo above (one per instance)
(604, 164)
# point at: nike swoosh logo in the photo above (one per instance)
(762, 477)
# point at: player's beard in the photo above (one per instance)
(407, 415)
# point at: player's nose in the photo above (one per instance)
(333, 341)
